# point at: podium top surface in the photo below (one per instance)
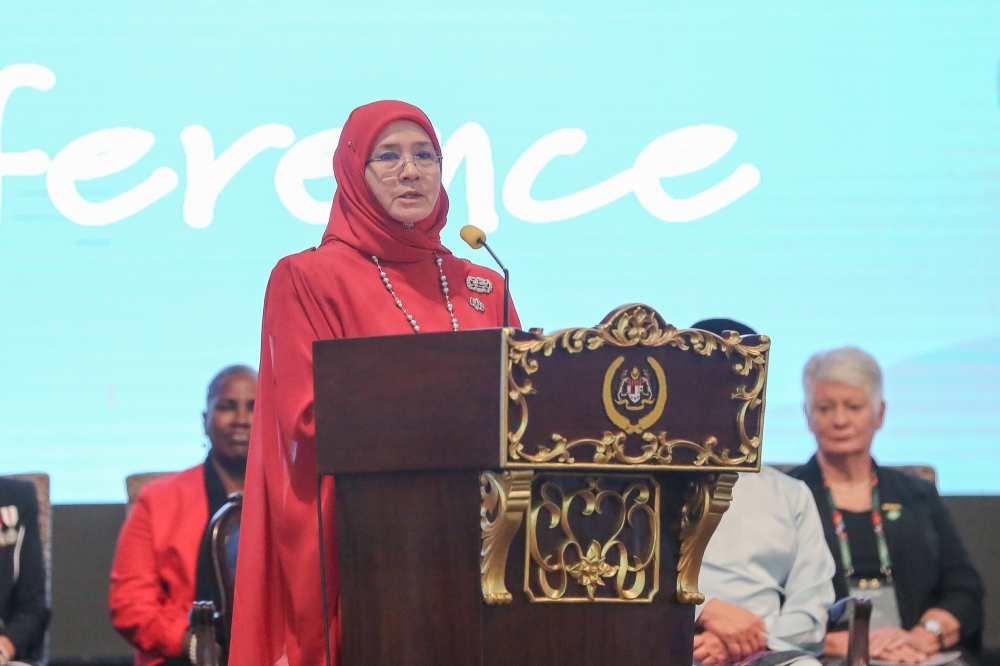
(631, 393)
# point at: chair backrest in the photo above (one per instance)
(134, 484)
(41, 481)
(224, 532)
(925, 472)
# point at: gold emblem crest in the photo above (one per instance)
(634, 390)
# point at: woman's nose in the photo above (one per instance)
(244, 416)
(840, 417)
(409, 169)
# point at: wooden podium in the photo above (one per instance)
(509, 498)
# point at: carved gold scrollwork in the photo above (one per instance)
(707, 500)
(506, 497)
(620, 562)
(627, 327)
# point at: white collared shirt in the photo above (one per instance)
(769, 556)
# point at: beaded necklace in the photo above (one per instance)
(840, 529)
(399, 302)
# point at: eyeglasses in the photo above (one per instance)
(388, 164)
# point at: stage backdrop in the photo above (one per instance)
(830, 177)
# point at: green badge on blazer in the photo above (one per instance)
(892, 511)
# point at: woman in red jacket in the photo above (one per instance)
(154, 573)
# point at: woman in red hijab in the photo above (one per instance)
(380, 270)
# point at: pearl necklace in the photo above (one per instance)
(399, 303)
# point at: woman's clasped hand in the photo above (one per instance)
(898, 645)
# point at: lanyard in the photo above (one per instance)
(845, 547)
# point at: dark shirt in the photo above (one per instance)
(864, 546)
(215, 489)
(24, 613)
(930, 566)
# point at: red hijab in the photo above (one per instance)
(357, 218)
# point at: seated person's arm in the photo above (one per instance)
(951, 630)
(959, 610)
(30, 612)
(835, 644)
(141, 609)
(809, 586)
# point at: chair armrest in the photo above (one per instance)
(852, 614)
(860, 613)
(203, 617)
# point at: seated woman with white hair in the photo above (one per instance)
(890, 535)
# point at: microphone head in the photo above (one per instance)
(473, 235)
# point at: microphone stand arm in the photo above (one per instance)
(506, 285)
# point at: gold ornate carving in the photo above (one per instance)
(506, 498)
(616, 512)
(630, 326)
(707, 500)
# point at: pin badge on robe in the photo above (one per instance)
(479, 285)
(476, 303)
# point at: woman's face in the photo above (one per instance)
(410, 191)
(843, 418)
(228, 419)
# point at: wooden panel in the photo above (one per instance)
(588, 635)
(569, 402)
(409, 402)
(411, 594)
(596, 634)
(409, 569)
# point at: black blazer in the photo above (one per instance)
(23, 611)
(930, 566)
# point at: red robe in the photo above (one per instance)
(333, 291)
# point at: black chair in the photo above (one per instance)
(41, 481)
(222, 536)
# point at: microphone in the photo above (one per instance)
(476, 239)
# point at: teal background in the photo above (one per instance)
(876, 133)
